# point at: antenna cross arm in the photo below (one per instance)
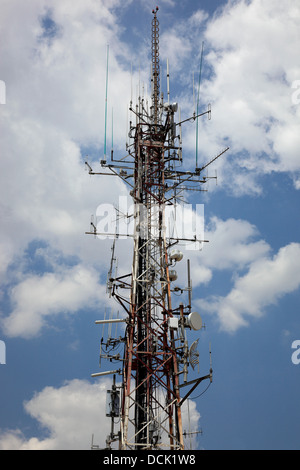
(194, 117)
(211, 161)
(198, 381)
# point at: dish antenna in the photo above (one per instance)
(194, 355)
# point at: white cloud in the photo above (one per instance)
(232, 244)
(37, 299)
(55, 105)
(200, 274)
(253, 53)
(70, 415)
(267, 280)
(175, 48)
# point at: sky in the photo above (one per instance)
(246, 280)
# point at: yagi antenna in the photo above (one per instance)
(93, 226)
(109, 274)
(180, 136)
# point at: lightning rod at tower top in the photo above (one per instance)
(150, 385)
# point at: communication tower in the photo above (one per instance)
(147, 400)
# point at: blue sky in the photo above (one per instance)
(245, 280)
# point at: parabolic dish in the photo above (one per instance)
(195, 321)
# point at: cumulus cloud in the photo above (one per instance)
(258, 277)
(233, 245)
(267, 281)
(252, 51)
(69, 415)
(55, 107)
(38, 298)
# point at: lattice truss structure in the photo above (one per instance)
(156, 354)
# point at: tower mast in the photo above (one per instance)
(154, 366)
(148, 349)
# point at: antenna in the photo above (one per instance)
(168, 81)
(194, 101)
(189, 283)
(112, 133)
(153, 352)
(180, 136)
(197, 128)
(106, 87)
(194, 355)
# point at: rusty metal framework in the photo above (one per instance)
(156, 355)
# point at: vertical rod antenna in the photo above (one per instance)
(131, 86)
(189, 283)
(198, 105)
(194, 101)
(168, 81)
(126, 129)
(112, 129)
(106, 86)
(180, 135)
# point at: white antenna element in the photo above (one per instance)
(194, 101)
(100, 374)
(111, 320)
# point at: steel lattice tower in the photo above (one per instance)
(156, 354)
